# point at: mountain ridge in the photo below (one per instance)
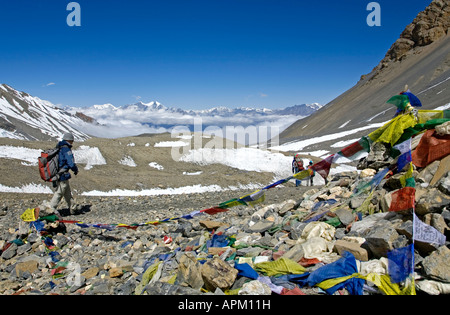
(298, 109)
(27, 117)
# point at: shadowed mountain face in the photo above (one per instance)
(25, 117)
(420, 58)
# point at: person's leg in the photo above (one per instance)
(57, 196)
(67, 194)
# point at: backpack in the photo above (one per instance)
(49, 165)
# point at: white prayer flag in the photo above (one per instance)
(425, 233)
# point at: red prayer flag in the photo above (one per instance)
(323, 167)
(403, 199)
(214, 210)
(352, 149)
(295, 291)
(431, 147)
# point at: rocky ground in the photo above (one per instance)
(194, 257)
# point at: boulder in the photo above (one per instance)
(218, 274)
(189, 271)
(436, 264)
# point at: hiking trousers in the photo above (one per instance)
(62, 191)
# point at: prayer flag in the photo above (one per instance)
(407, 180)
(404, 150)
(323, 167)
(362, 145)
(402, 147)
(30, 215)
(404, 160)
(254, 198)
(403, 199)
(212, 211)
(392, 131)
(232, 203)
(282, 181)
(400, 101)
(425, 233)
(426, 115)
(303, 174)
(413, 100)
(401, 263)
(373, 183)
(431, 147)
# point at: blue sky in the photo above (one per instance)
(195, 54)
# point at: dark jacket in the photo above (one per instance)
(66, 160)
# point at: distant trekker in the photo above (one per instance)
(297, 166)
(311, 178)
(66, 163)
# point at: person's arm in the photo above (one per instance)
(69, 159)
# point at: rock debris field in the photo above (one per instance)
(352, 236)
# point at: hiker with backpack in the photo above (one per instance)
(297, 166)
(66, 162)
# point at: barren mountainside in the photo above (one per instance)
(420, 58)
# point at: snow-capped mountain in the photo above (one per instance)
(25, 117)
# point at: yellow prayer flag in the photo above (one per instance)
(425, 115)
(408, 174)
(393, 130)
(30, 215)
(280, 266)
(303, 174)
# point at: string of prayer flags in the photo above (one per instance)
(281, 181)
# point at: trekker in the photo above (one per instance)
(66, 163)
(297, 166)
(311, 178)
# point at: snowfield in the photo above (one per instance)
(241, 158)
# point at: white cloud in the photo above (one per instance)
(142, 118)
